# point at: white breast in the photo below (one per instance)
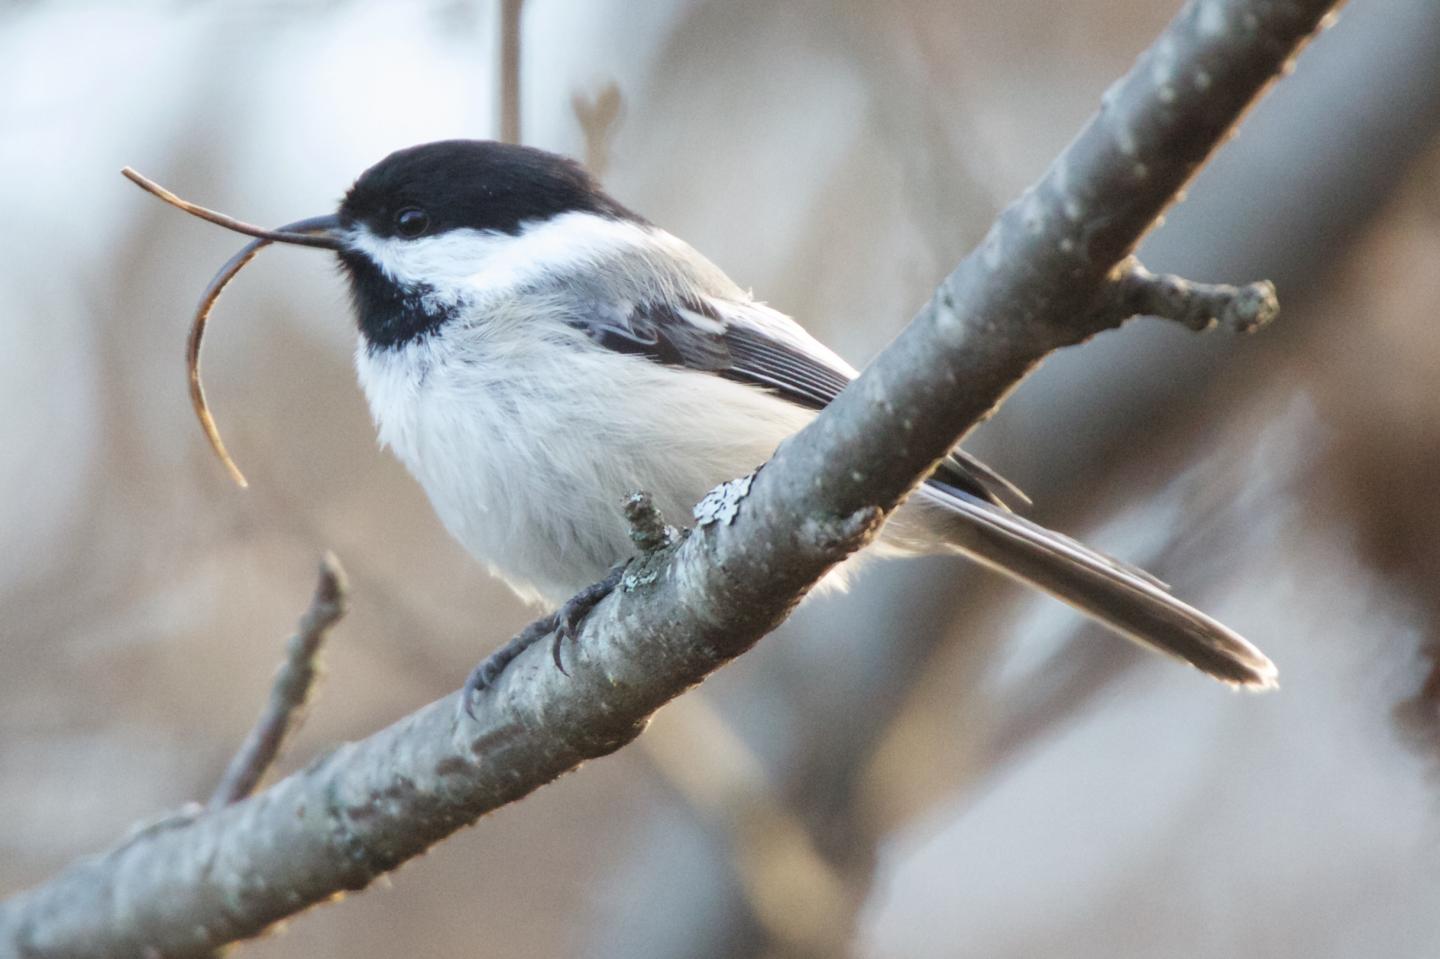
(527, 445)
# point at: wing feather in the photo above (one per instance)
(751, 343)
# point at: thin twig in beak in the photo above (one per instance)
(192, 352)
(321, 240)
(315, 232)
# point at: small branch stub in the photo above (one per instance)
(1135, 291)
(652, 537)
(648, 529)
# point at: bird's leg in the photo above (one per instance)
(651, 536)
(564, 623)
(483, 676)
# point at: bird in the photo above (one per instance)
(532, 351)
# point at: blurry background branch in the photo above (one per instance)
(510, 14)
(290, 690)
(805, 904)
(1027, 291)
(598, 116)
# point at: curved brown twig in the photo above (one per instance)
(263, 237)
(192, 352)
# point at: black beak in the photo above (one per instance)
(318, 231)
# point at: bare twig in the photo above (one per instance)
(1029, 289)
(196, 339)
(211, 296)
(1136, 291)
(648, 529)
(598, 117)
(221, 219)
(800, 898)
(510, 11)
(293, 681)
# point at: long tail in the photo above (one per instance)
(1127, 600)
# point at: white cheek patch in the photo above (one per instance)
(443, 262)
(465, 262)
(563, 244)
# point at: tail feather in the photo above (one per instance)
(1127, 600)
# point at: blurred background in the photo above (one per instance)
(937, 764)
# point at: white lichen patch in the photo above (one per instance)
(722, 504)
(634, 579)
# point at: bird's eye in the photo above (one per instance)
(411, 222)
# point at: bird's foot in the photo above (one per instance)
(483, 676)
(564, 624)
(569, 617)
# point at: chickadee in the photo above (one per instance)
(533, 351)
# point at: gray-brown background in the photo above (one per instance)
(935, 765)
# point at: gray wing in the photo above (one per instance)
(753, 344)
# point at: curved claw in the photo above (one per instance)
(560, 637)
(568, 618)
(481, 678)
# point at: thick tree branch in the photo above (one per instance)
(1039, 281)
